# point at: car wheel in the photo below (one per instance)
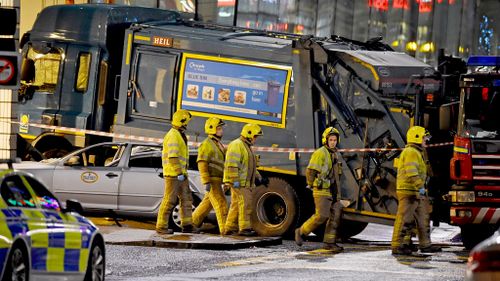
(276, 208)
(96, 263)
(17, 264)
(175, 216)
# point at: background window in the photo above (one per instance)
(82, 76)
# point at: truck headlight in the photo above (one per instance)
(465, 196)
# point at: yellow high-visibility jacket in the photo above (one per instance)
(175, 154)
(412, 170)
(212, 153)
(240, 165)
(321, 161)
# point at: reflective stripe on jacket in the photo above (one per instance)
(321, 161)
(211, 151)
(174, 146)
(412, 170)
(240, 164)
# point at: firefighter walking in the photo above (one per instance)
(240, 173)
(323, 173)
(175, 157)
(413, 206)
(211, 155)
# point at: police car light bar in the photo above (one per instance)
(483, 61)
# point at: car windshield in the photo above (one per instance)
(481, 107)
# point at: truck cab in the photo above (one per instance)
(70, 63)
(475, 166)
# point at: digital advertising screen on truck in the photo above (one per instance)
(234, 89)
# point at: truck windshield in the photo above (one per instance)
(481, 107)
(46, 69)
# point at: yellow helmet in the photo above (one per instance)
(211, 125)
(181, 118)
(416, 134)
(249, 131)
(328, 132)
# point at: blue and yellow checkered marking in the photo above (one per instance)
(59, 242)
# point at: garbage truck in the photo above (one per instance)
(294, 86)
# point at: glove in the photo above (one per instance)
(181, 177)
(236, 184)
(207, 187)
(421, 191)
(309, 187)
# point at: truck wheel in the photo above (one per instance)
(276, 208)
(473, 234)
(347, 229)
(350, 228)
(54, 153)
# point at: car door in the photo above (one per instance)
(142, 184)
(86, 178)
(67, 244)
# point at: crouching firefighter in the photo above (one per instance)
(175, 155)
(323, 173)
(240, 174)
(211, 155)
(413, 205)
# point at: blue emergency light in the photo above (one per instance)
(483, 61)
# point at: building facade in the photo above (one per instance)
(417, 27)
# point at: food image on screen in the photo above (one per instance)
(192, 91)
(224, 96)
(240, 97)
(208, 93)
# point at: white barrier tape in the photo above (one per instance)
(196, 144)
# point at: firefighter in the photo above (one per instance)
(413, 206)
(175, 156)
(323, 173)
(240, 174)
(211, 154)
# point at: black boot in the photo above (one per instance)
(430, 249)
(248, 232)
(299, 240)
(401, 251)
(190, 229)
(164, 231)
(333, 247)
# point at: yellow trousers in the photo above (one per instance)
(412, 209)
(213, 199)
(240, 210)
(325, 210)
(175, 189)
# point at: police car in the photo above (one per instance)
(41, 240)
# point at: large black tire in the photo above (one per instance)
(17, 267)
(347, 229)
(96, 264)
(276, 208)
(474, 234)
(350, 228)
